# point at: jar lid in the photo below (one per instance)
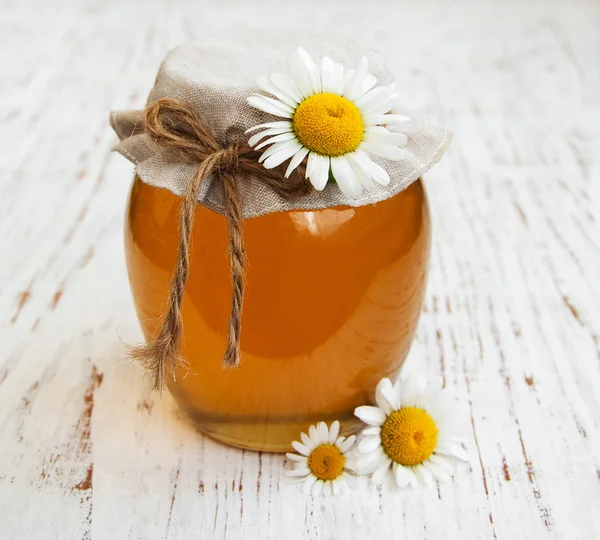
(215, 80)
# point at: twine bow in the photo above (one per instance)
(176, 127)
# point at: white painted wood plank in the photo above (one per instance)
(512, 315)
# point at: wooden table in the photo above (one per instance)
(511, 320)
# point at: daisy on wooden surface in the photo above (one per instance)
(414, 433)
(333, 115)
(322, 462)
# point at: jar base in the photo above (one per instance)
(275, 436)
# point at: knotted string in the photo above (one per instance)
(176, 127)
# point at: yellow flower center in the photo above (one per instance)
(328, 124)
(326, 462)
(409, 436)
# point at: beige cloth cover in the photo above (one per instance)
(215, 79)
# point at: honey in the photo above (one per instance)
(332, 301)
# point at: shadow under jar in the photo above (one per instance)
(332, 302)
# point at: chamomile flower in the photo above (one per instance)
(322, 462)
(333, 115)
(414, 433)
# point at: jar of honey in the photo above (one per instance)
(332, 301)
(277, 236)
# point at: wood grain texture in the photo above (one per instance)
(512, 316)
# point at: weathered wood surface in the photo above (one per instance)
(512, 316)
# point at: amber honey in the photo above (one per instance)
(332, 302)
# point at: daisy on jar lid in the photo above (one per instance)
(337, 117)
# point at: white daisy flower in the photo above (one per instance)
(334, 116)
(322, 462)
(414, 433)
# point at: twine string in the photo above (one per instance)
(176, 127)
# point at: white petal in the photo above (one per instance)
(384, 119)
(392, 395)
(423, 475)
(279, 157)
(312, 70)
(277, 138)
(271, 131)
(286, 84)
(345, 177)
(381, 400)
(300, 76)
(310, 163)
(296, 457)
(297, 473)
(398, 388)
(450, 428)
(439, 472)
(266, 85)
(386, 397)
(323, 432)
(319, 174)
(271, 106)
(350, 464)
(375, 171)
(452, 449)
(278, 124)
(347, 444)
(370, 462)
(317, 487)
(369, 81)
(309, 483)
(412, 387)
(435, 409)
(294, 480)
(361, 175)
(300, 448)
(370, 100)
(379, 475)
(385, 106)
(338, 82)
(296, 160)
(444, 462)
(403, 475)
(445, 402)
(372, 431)
(370, 415)
(389, 138)
(374, 129)
(386, 151)
(353, 89)
(335, 487)
(276, 148)
(444, 411)
(334, 431)
(344, 482)
(328, 75)
(306, 441)
(416, 119)
(344, 79)
(368, 444)
(380, 103)
(314, 435)
(328, 489)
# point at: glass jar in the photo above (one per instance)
(332, 301)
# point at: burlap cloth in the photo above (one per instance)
(215, 80)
